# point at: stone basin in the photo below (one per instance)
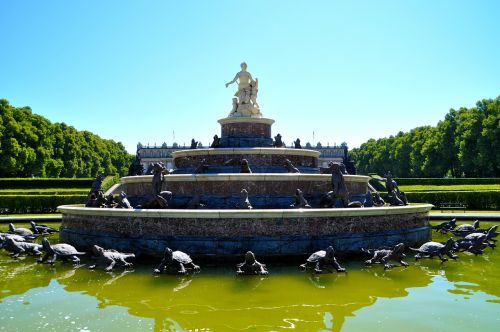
(266, 190)
(226, 233)
(261, 160)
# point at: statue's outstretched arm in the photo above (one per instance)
(234, 80)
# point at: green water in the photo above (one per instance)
(427, 296)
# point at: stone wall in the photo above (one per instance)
(255, 157)
(222, 191)
(261, 130)
(258, 226)
(275, 232)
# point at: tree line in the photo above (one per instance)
(465, 144)
(31, 145)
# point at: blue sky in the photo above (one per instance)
(345, 70)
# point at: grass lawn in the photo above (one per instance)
(465, 187)
(466, 211)
(30, 215)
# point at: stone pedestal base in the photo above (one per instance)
(246, 132)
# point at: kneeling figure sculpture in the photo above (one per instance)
(251, 266)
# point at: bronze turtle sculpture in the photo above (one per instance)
(5, 236)
(465, 229)
(42, 229)
(446, 226)
(431, 249)
(321, 259)
(176, 262)
(17, 248)
(493, 235)
(484, 237)
(59, 250)
(110, 258)
(251, 266)
(24, 232)
(472, 245)
(468, 227)
(385, 255)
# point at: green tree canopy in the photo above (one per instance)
(465, 144)
(32, 145)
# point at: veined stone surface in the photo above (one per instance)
(224, 232)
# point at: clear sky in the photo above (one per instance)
(345, 70)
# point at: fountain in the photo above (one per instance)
(206, 218)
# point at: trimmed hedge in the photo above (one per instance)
(12, 204)
(445, 181)
(476, 200)
(59, 191)
(42, 183)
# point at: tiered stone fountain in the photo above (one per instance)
(271, 228)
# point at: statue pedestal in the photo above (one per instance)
(246, 132)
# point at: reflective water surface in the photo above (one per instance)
(455, 296)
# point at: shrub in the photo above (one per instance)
(473, 199)
(445, 181)
(41, 183)
(13, 204)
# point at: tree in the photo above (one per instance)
(32, 145)
(465, 143)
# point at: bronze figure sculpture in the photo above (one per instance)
(244, 202)
(216, 142)
(159, 171)
(338, 185)
(245, 168)
(251, 266)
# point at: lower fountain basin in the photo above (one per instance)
(224, 233)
